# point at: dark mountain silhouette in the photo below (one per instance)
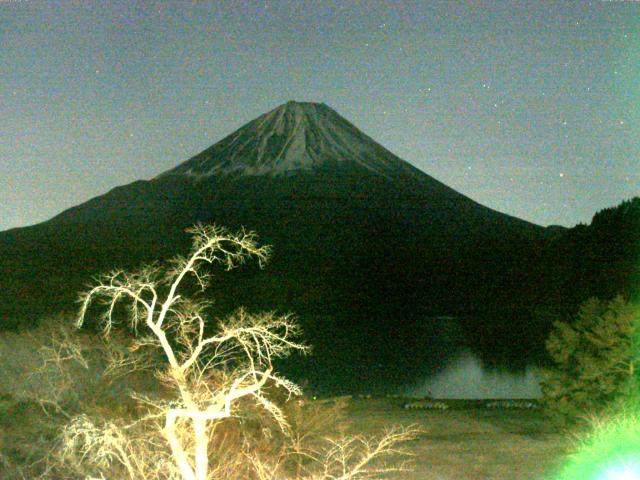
(368, 250)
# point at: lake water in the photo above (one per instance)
(465, 377)
(364, 355)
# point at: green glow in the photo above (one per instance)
(622, 471)
(611, 452)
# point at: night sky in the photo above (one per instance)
(531, 108)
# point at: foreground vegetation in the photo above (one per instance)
(596, 360)
(455, 444)
(182, 395)
(38, 398)
(167, 392)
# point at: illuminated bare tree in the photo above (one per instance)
(213, 370)
(243, 344)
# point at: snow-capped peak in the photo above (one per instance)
(294, 136)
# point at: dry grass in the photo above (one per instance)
(469, 444)
(453, 444)
(472, 444)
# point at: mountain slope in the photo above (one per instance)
(366, 246)
(290, 138)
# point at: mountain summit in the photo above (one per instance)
(367, 249)
(292, 137)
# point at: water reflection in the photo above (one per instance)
(381, 355)
(465, 377)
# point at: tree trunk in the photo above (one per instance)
(201, 448)
(176, 449)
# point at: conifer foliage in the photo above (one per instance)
(596, 359)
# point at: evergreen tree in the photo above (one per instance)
(596, 357)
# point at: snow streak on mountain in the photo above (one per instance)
(292, 137)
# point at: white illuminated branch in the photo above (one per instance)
(179, 327)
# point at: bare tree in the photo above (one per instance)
(212, 370)
(353, 458)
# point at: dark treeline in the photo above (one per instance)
(600, 260)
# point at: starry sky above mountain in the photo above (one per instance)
(529, 107)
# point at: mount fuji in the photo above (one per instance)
(291, 138)
(368, 249)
